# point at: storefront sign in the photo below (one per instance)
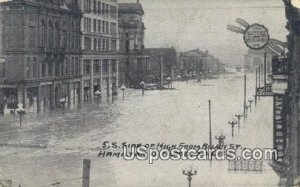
(256, 36)
(245, 165)
(279, 126)
(265, 91)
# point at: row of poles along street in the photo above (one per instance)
(247, 107)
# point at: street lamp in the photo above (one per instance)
(246, 110)
(250, 104)
(169, 82)
(232, 123)
(239, 116)
(123, 88)
(21, 112)
(220, 139)
(63, 102)
(189, 175)
(143, 87)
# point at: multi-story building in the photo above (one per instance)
(131, 30)
(162, 61)
(199, 63)
(40, 54)
(286, 93)
(100, 45)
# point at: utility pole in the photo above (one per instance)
(162, 70)
(265, 70)
(210, 138)
(245, 94)
(86, 173)
(189, 175)
(255, 86)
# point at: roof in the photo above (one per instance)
(133, 8)
(195, 52)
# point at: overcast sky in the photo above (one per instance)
(191, 24)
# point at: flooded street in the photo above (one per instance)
(37, 153)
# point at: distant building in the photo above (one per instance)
(132, 30)
(161, 60)
(100, 45)
(199, 63)
(40, 54)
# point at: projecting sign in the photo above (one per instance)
(279, 126)
(265, 91)
(256, 36)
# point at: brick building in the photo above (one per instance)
(100, 45)
(132, 30)
(40, 54)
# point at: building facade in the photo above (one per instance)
(40, 54)
(131, 31)
(100, 46)
(196, 63)
(162, 62)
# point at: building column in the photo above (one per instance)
(101, 76)
(117, 74)
(92, 80)
(39, 96)
(109, 78)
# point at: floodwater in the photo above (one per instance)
(48, 150)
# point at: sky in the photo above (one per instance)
(192, 24)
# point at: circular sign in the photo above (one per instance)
(256, 36)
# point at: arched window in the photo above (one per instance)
(56, 34)
(50, 34)
(42, 34)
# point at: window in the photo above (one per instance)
(99, 26)
(56, 35)
(107, 28)
(31, 37)
(106, 9)
(42, 34)
(49, 69)
(43, 69)
(72, 66)
(105, 66)
(113, 45)
(2, 68)
(113, 66)
(50, 34)
(99, 44)
(107, 45)
(96, 67)
(77, 68)
(95, 44)
(34, 68)
(28, 68)
(95, 25)
(86, 67)
(87, 43)
(95, 6)
(99, 8)
(103, 26)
